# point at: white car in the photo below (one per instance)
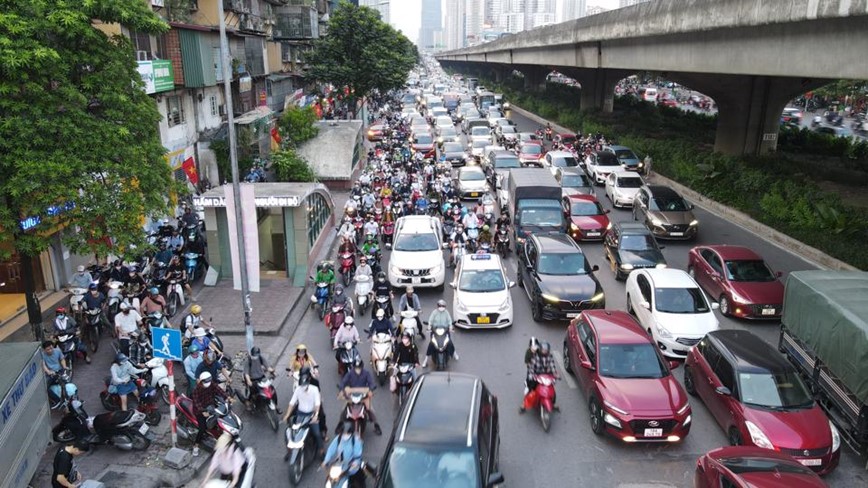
(600, 164)
(480, 133)
(560, 159)
(622, 187)
(671, 307)
(481, 298)
(417, 253)
(478, 147)
(471, 182)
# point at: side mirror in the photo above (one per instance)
(595, 268)
(495, 479)
(715, 305)
(691, 206)
(722, 390)
(674, 364)
(453, 285)
(511, 284)
(645, 305)
(586, 364)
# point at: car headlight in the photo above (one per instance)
(641, 165)
(608, 227)
(504, 306)
(598, 297)
(611, 420)
(738, 299)
(687, 420)
(506, 105)
(626, 266)
(694, 223)
(757, 436)
(550, 298)
(614, 408)
(656, 222)
(663, 332)
(836, 437)
(574, 227)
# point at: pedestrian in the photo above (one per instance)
(65, 473)
(647, 162)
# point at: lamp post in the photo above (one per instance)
(236, 189)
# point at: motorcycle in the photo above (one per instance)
(335, 319)
(266, 398)
(91, 330)
(388, 232)
(548, 134)
(458, 252)
(124, 430)
(222, 419)
(542, 397)
(159, 377)
(147, 400)
(347, 355)
(338, 478)
(358, 225)
(193, 264)
(363, 292)
(403, 381)
(347, 266)
(321, 297)
(381, 303)
(373, 256)
(408, 323)
(156, 319)
(62, 390)
(75, 302)
(381, 355)
(502, 241)
(440, 337)
(301, 445)
(175, 297)
(355, 410)
(67, 345)
(114, 297)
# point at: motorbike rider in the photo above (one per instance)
(347, 230)
(347, 448)
(347, 246)
(154, 302)
(81, 278)
(135, 280)
(126, 322)
(370, 247)
(141, 350)
(303, 359)
(364, 268)
(346, 333)
(325, 274)
(119, 272)
(228, 462)
(255, 369)
(529, 354)
(52, 360)
(164, 255)
(204, 396)
(193, 321)
(383, 289)
(176, 271)
(191, 364)
(189, 218)
(406, 352)
(485, 236)
(381, 324)
(65, 325)
(211, 365)
(308, 401)
(96, 300)
(502, 220)
(542, 363)
(371, 228)
(457, 239)
(359, 377)
(440, 317)
(410, 301)
(341, 298)
(122, 378)
(176, 241)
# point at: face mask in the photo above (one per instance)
(441, 307)
(206, 384)
(126, 312)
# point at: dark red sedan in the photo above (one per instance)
(630, 391)
(588, 220)
(752, 467)
(739, 280)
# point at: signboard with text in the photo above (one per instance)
(264, 202)
(157, 75)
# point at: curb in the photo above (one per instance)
(741, 219)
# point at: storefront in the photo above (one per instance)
(286, 225)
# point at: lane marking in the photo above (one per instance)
(566, 376)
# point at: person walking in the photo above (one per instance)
(65, 474)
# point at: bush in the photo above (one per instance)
(290, 167)
(297, 125)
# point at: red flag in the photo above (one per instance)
(190, 168)
(275, 135)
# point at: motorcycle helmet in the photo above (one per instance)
(196, 309)
(254, 352)
(120, 358)
(441, 303)
(304, 376)
(193, 348)
(205, 377)
(339, 289)
(92, 286)
(154, 291)
(381, 313)
(60, 311)
(485, 228)
(545, 348)
(349, 321)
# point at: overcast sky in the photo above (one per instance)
(406, 14)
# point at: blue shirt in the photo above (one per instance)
(349, 450)
(52, 361)
(353, 380)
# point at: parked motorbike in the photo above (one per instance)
(194, 265)
(542, 397)
(222, 419)
(301, 445)
(321, 297)
(61, 390)
(355, 410)
(440, 338)
(147, 403)
(124, 430)
(266, 399)
(159, 377)
(381, 355)
(403, 381)
(364, 285)
(347, 354)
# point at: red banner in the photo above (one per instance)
(275, 135)
(190, 169)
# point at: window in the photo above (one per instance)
(588, 342)
(215, 109)
(710, 353)
(318, 213)
(680, 300)
(644, 287)
(162, 49)
(725, 374)
(174, 110)
(141, 42)
(562, 263)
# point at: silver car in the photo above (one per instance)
(470, 182)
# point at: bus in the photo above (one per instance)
(485, 100)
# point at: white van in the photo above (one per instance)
(650, 95)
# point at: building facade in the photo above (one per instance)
(629, 3)
(431, 22)
(455, 25)
(382, 6)
(570, 10)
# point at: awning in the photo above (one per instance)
(254, 115)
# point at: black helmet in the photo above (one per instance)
(254, 351)
(357, 363)
(304, 376)
(545, 348)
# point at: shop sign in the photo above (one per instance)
(157, 75)
(264, 202)
(31, 222)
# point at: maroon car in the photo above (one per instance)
(531, 153)
(588, 221)
(630, 391)
(739, 280)
(758, 398)
(752, 467)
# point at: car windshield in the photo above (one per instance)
(628, 182)
(480, 131)
(479, 144)
(753, 271)
(564, 162)
(507, 129)
(568, 139)
(424, 139)
(542, 216)
(563, 263)
(416, 242)
(637, 242)
(574, 181)
(625, 154)
(673, 204)
(631, 361)
(481, 281)
(452, 147)
(528, 136)
(430, 468)
(680, 300)
(744, 465)
(779, 390)
(607, 159)
(448, 132)
(584, 209)
(531, 149)
(472, 176)
(507, 162)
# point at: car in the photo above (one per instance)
(506, 133)
(422, 128)
(498, 163)
(671, 308)
(417, 255)
(447, 429)
(557, 278)
(493, 118)
(375, 132)
(752, 467)
(622, 187)
(559, 159)
(739, 279)
(588, 221)
(573, 181)
(791, 115)
(759, 399)
(480, 133)
(438, 111)
(531, 153)
(600, 164)
(629, 246)
(470, 122)
(424, 143)
(834, 131)
(627, 157)
(568, 140)
(477, 148)
(668, 102)
(527, 136)
(443, 121)
(665, 213)
(470, 182)
(453, 153)
(481, 298)
(629, 389)
(447, 134)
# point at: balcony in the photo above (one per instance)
(252, 23)
(301, 24)
(278, 2)
(237, 6)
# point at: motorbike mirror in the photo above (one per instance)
(511, 284)
(388, 245)
(645, 305)
(722, 390)
(674, 364)
(495, 479)
(595, 268)
(587, 365)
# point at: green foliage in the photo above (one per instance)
(361, 52)
(843, 88)
(297, 125)
(289, 166)
(220, 147)
(76, 126)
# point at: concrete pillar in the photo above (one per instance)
(598, 88)
(534, 77)
(498, 74)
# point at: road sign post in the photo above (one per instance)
(166, 344)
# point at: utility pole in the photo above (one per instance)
(236, 189)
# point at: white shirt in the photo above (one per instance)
(307, 398)
(371, 227)
(127, 323)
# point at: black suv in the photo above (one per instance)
(446, 434)
(557, 278)
(629, 246)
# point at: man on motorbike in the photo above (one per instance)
(119, 272)
(410, 301)
(140, 349)
(81, 278)
(193, 321)
(457, 239)
(370, 247)
(176, 241)
(65, 325)
(502, 220)
(306, 399)
(191, 365)
(122, 372)
(347, 448)
(383, 289)
(126, 322)
(325, 274)
(255, 369)
(52, 359)
(164, 255)
(177, 271)
(211, 365)
(359, 377)
(382, 325)
(485, 236)
(347, 230)
(348, 245)
(542, 363)
(204, 396)
(371, 228)
(440, 317)
(95, 300)
(189, 218)
(341, 298)
(154, 302)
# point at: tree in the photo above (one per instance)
(362, 53)
(296, 125)
(290, 166)
(79, 142)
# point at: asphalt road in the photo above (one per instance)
(570, 454)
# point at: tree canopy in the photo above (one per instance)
(79, 140)
(361, 52)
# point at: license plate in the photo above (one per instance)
(653, 432)
(677, 234)
(483, 320)
(474, 194)
(593, 234)
(572, 315)
(768, 311)
(811, 462)
(143, 429)
(416, 281)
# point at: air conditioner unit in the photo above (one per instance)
(141, 55)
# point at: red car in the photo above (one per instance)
(630, 390)
(423, 143)
(739, 280)
(376, 132)
(752, 467)
(568, 140)
(668, 102)
(588, 221)
(759, 399)
(531, 153)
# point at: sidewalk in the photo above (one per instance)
(17, 329)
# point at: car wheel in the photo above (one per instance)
(568, 367)
(536, 311)
(630, 306)
(734, 437)
(596, 416)
(688, 381)
(724, 306)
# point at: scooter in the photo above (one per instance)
(355, 410)
(91, 329)
(266, 399)
(193, 263)
(364, 286)
(222, 419)
(502, 241)
(408, 323)
(347, 266)
(458, 252)
(321, 297)
(157, 319)
(381, 355)
(75, 301)
(301, 445)
(114, 297)
(124, 430)
(440, 337)
(347, 355)
(381, 302)
(174, 298)
(335, 319)
(388, 232)
(338, 478)
(403, 381)
(159, 377)
(62, 390)
(247, 480)
(542, 397)
(67, 345)
(147, 400)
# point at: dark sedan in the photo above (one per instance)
(453, 153)
(557, 278)
(631, 246)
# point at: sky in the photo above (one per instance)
(406, 14)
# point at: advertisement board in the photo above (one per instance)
(158, 75)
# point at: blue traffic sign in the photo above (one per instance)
(166, 343)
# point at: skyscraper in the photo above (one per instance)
(474, 20)
(431, 23)
(455, 25)
(381, 6)
(570, 9)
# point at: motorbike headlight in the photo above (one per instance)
(694, 223)
(757, 436)
(656, 222)
(663, 332)
(550, 298)
(335, 472)
(598, 297)
(836, 437)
